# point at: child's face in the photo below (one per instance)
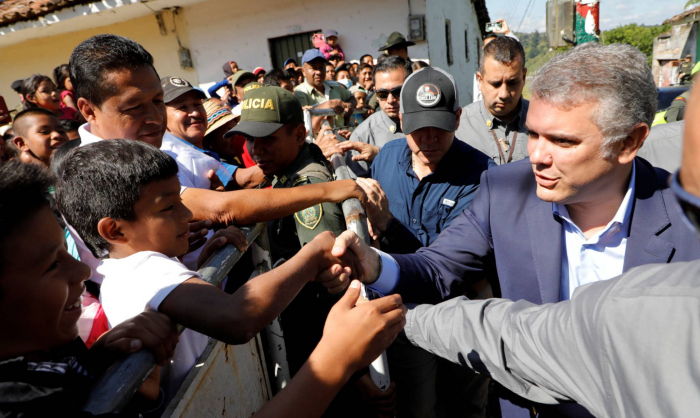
(67, 84)
(43, 137)
(162, 221)
(332, 40)
(360, 97)
(41, 286)
(47, 96)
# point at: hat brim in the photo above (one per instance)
(444, 120)
(219, 123)
(254, 129)
(397, 45)
(167, 98)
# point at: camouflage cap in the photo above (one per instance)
(265, 110)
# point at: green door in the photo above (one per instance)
(292, 46)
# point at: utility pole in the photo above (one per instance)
(587, 21)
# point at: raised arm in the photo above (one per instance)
(244, 207)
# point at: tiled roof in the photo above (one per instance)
(683, 15)
(12, 11)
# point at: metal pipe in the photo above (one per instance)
(314, 111)
(118, 384)
(356, 221)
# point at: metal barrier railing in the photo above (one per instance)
(120, 382)
(356, 221)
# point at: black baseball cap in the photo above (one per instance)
(174, 87)
(265, 110)
(17, 85)
(429, 99)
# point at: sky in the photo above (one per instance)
(613, 13)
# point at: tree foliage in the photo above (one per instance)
(640, 37)
(691, 3)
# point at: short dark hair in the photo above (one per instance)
(392, 63)
(30, 85)
(60, 74)
(366, 55)
(489, 35)
(342, 67)
(10, 150)
(381, 58)
(104, 180)
(276, 76)
(20, 126)
(24, 189)
(70, 124)
(365, 65)
(95, 57)
(418, 64)
(503, 49)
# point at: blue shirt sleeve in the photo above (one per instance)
(388, 277)
(212, 90)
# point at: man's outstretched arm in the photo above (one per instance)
(244, 207)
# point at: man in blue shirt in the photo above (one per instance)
(419, 185)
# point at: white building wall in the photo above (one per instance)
(222, 30)
(463, 19)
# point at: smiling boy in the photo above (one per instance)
(38, 134)
(43, 364)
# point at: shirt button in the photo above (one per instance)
(414, 221)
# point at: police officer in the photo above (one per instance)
(496, 125)
(686, 69)
(273, 124)
(396, 44)
(676, 111)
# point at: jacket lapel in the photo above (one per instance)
(649, 219)
(545, 243)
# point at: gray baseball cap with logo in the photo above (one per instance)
(429, 98)
(174, 87)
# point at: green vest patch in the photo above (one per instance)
(310, 217)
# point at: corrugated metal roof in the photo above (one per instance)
(12, 11)
(683, 15)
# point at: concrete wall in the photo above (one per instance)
(221, 31)
(463, 19)
(43, 55)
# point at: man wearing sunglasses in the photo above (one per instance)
(583, 209)
(382, 126)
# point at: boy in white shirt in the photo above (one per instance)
(135, 221)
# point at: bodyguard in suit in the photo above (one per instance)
(582, 209)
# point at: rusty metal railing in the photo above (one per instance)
(115, 388)
(356, 221)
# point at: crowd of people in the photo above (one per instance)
(513, 239)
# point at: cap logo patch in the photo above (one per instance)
(250, 86)
(175, 81)
(428, 95)
(258, 104)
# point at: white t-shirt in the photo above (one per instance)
(142, 281)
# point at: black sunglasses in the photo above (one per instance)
(383, 94)
(689, 202)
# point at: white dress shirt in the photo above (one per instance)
(600, 257)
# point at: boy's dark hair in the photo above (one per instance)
(60, 74)
(20, 125)
(366, 55)
(342, 67)
(24, 189)
(365, 65)
(418, 64)
(381, 58)
(70, 124)
(10, 150)
(94, 58)
(104, 180)
(392, 63)
(30, 85)
(503, 49)
(275, 77)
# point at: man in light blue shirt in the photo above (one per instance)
(615, 210)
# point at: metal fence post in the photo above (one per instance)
(356, 221)
(118, 384)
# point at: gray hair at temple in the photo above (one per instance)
(615, 76)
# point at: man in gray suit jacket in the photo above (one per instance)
(584, 208)
(625, 347)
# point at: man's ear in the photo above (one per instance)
(524, 74)
(632, 143)
(87, 109)
(300, 133)
(479, 77)
(459, 118)
(20, 143)
(111, 231)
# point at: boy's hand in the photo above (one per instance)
(367, 151)
(215, 182)
(229, 235)
(340, 190)
(353, 252)
(198, 234)
(356, 336)
(152, 330)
